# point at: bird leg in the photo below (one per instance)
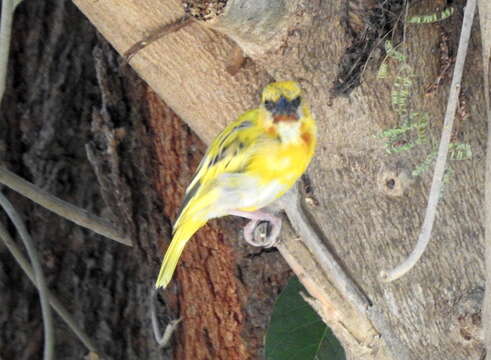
(256, 218)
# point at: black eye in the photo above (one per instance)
(269, 105)
(295, 102)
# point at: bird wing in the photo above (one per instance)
(230, 153)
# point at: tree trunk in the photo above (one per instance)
(85, 129)
(365, 202)
(50, 112)
(364, 195)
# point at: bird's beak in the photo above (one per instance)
(284, 110)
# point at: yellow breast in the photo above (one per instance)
(286, 157)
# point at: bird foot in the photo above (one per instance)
(263, 230)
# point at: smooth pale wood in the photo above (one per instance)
(367, 227)
(258, 26)
(187, 69)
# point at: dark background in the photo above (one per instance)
(69, 95)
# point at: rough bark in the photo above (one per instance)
(86, 129)
(52, 99)
(435, 310)
(222, 293)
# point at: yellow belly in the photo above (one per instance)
(281, 165)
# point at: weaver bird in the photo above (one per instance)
(251, 163)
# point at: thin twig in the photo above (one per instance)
(157, 34)
(62, 208)
(55, 303)
(49, 334)
(441, 160)
(8, 8)
(162, 340)
(290, 202)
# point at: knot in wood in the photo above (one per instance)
(394, 181)
(467, 318)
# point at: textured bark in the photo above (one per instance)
(82, 127)
(223, 294)
(435, 310)
(53, 97)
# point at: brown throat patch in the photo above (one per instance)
(287, 118)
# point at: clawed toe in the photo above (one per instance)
(263, 229)
(262, 234)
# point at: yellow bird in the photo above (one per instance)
(251, 163)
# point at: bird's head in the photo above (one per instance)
(286, 113)
(283, 100)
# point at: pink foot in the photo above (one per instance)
(256, 218)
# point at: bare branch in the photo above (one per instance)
(49, 335)
(157, 34)
(290, 202)
(59, 308)
(436, 185)
(62, 208)
(355, 321)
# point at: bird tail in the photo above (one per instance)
(179, 240)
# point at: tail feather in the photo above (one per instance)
(173, 253)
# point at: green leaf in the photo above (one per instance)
(297, 332)
(427, 19)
